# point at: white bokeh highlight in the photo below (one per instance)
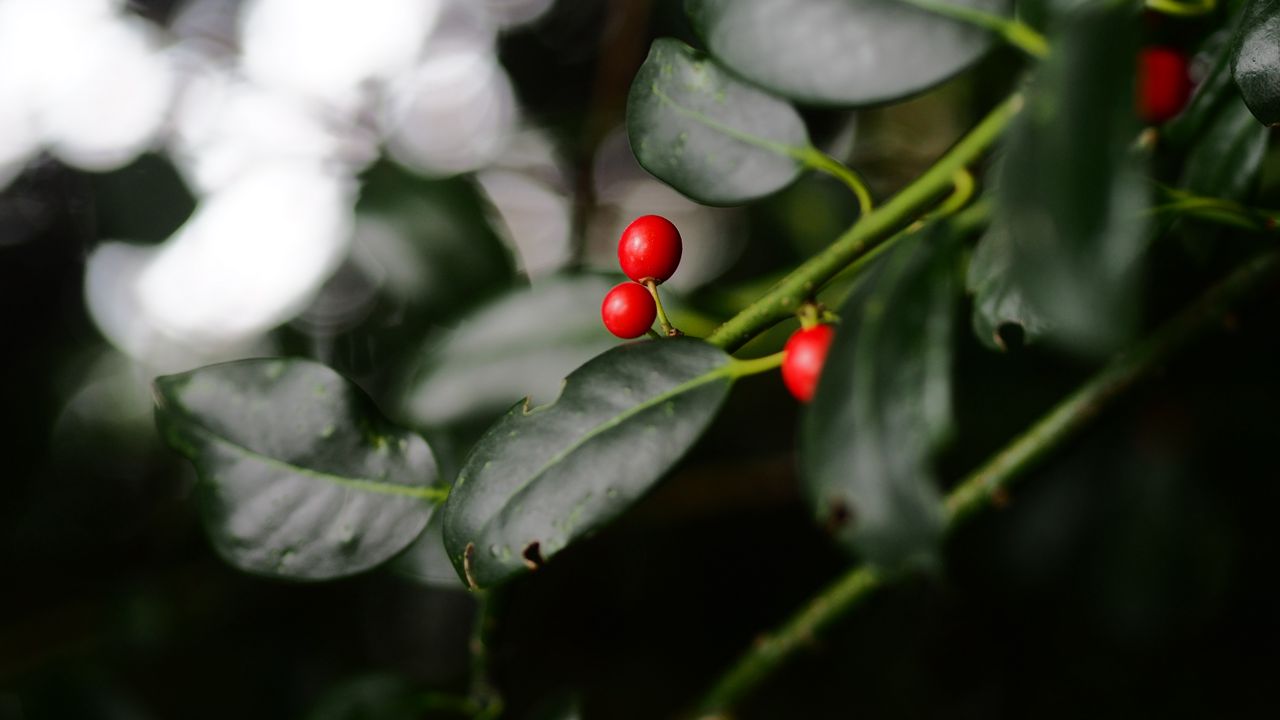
(333, 51)
(251, 256)
(81, 79)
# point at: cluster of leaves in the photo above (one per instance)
(304, 479)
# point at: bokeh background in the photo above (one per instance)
(425, 194)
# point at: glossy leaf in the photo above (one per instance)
(884, 405)
(1255, 62)
(998, 302)
(300, 477)
(522, 344)
(1070, 190)
(1225, 161)
(841, 52)
(706, 133)
(542, 477)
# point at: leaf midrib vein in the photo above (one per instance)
(424, 492)
(724, 371)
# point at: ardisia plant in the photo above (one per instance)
(1035, 223)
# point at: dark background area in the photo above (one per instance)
(1130, 574)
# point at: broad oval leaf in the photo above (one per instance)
(521, 344)
(1255, 62)
(1071, 191)
(300, 477)
(842, 52)
(542, 477)
(706, 133)
(883, 406)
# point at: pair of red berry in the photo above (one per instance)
(649, 253)
(1164, 83)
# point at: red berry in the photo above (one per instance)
(1164, 85)
(628, 310)
(649, 249)
(806, 352)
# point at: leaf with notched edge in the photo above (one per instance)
(543, 477)
(300, 476)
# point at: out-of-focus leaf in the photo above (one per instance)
(432, 241)
(841, 52)
(372, 697)
(1255, 60)
(1210, 92)
(883, 406)
(1070, 191)
(997, 300)
(706, 133)
(1224, 163)
(300, 477)
(522, 344)
(540, 478)
(425, 561)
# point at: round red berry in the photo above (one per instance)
(1164, 84)
(806, 352)
(649, 249)
(628, 310)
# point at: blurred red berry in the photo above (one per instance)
(802, 365)
(1164, 84)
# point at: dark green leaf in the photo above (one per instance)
(542, 477)
(520, 345)
(1255, 62)
(1070, 191)
(371, 697)
(708, 134)
(841, 52)
(884, 405)
(1225, 161)
(997, 301)
(300, 476)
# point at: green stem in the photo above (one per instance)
(488, 702)
(1224, 212)
(667, 328)
(982, 485)
(754, 366)
(818, 160)
(1182, 9)
(771, 651)
(782, 300)
(1013, 31)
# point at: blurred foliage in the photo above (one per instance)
(1128, 576)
